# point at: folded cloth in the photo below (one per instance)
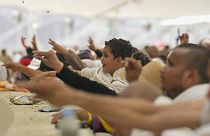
(98, 124)
(24, 100)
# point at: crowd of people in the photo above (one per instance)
(127, 91)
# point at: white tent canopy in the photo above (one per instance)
(116, 8)
(71, 22)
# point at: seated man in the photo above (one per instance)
(184, 78)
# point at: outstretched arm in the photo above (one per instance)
(69, 77)
(70, 57)
(23, 42)
(21, 68)
(133, 113)
(33, 42)
(73, 79)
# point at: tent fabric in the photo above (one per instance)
(159, 9)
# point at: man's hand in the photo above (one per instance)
(50, 59)
(56, 117)
(91, 45)
(51, 89)
(13, 66)
(33, 42)
(184, 38)
(58, 48)
(44, 75)
(133, 69)
(23, 42)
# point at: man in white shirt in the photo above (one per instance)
(184, 78)
(186, 68)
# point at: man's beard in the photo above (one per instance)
(173, 93)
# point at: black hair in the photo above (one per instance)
(139, 55)
(85, 54)
(29, 51)
(119, 47)
(197, 58)
(3, 51)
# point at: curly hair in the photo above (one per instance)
(139, 55)
(119, 47)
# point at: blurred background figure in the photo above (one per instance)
(205, 42)
(4, 57)
(152, 51)
(3, 72)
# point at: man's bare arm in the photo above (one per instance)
(21, 68)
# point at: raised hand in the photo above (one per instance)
(91, 45)
(50, 59)
(23, 42)
(133, 69)
(184, 38)
(44, 75)
(33, 42)
(58, 48)
(13, 66)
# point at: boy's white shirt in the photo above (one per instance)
(112, 82)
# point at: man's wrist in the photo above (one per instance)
(59, 67)
(65, 52)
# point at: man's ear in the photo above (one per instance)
(190, 77)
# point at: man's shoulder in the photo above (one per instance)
(195, 92)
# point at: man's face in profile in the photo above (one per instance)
(172, 73)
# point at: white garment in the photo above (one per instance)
(193, 93)
(89, 63)
(112, 82)
(34, 64)
(3, 72)
(139, 132)
(162, 100)
(179, 132)
(203, 130)
(17, 57)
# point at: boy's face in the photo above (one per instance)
(109, 63)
